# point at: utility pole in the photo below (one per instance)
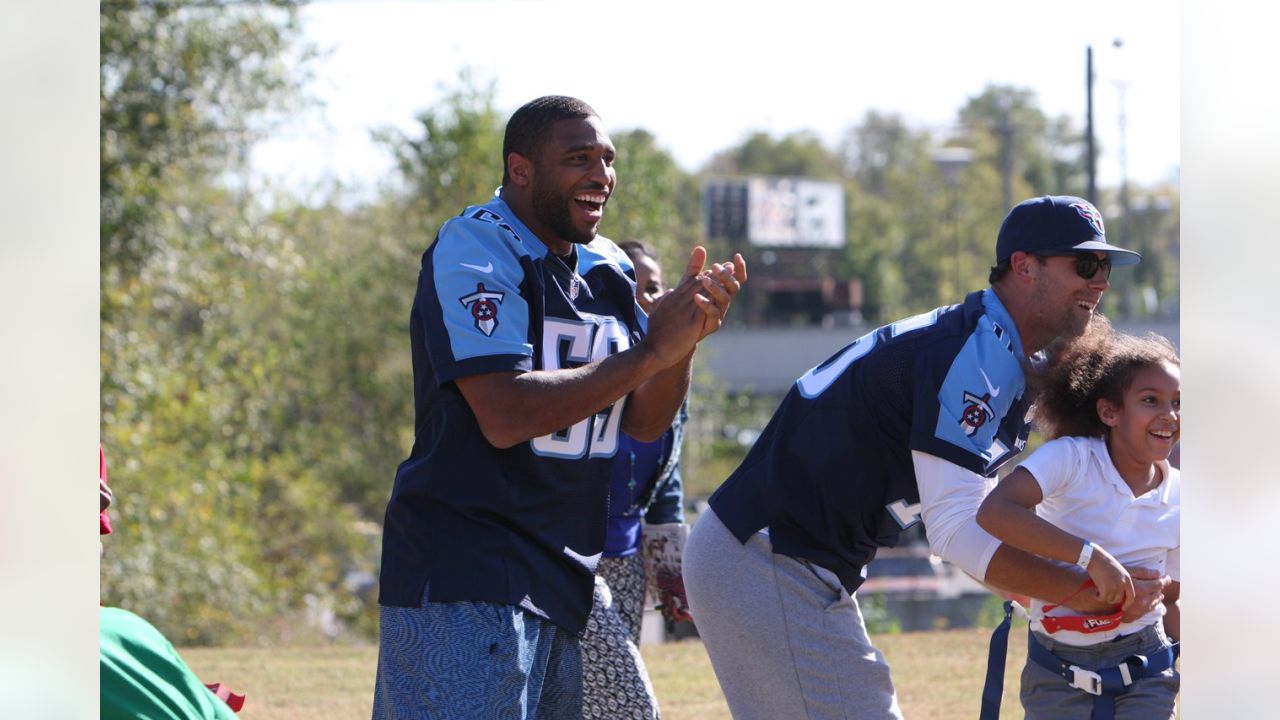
(1006, 152)
(1129, 301)
(1090, 157)
(1126, 227)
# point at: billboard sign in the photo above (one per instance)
(777, 211)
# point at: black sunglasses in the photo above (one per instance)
(1087, 264)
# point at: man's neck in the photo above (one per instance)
(522, 206)
(1017, 307)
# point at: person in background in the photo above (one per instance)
(140, 673)
(642, 547)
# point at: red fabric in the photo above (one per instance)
(104, 495)
(1079, 623)
(233, 701)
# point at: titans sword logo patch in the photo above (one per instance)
(484, 308)
(977, 411)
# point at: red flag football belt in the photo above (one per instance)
(1079, 623)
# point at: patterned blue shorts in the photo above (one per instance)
(475, 660)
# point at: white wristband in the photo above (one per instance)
(1086, 554)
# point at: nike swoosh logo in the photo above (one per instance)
(485, 268)
(995, 391)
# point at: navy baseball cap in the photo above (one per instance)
(1057, 223)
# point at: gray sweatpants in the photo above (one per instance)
(785, 639)
(1047, 696)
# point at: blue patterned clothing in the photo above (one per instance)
(466, 660)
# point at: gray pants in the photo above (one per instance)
(785, 639)
(1047, 696)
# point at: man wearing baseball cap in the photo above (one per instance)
(1057, 224)
(904, 425)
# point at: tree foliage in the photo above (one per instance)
(456, 160)
(655, 201)
(185, 88)
(226, 519)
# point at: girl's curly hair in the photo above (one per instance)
(1099, 364)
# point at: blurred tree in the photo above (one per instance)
(226, 522)
(889, 218)
(1151, 227)
(799, 154)
(455, 161)
(186, 85)
(1034, 154)
(655, 201)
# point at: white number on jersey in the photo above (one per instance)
(813, 383)
(906, 515)
(586, 341)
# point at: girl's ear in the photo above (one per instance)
(1108, 412)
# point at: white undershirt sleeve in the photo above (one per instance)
(949, 500)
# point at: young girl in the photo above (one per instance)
(1101, 494)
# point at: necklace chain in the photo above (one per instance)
(574, 279)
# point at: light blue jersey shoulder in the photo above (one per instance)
(984, 384)
(477, 274)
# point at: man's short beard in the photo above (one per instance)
(1063, 324)
(552, 209)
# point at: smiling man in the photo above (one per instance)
(904, 425)
(529, 355)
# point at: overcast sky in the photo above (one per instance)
(703, 75)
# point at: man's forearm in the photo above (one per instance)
(1026, 574)
(653, 405)
(514, 407)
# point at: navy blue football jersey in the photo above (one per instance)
(831, 476)
(525, 525)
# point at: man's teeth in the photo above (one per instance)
(598, 199)
(1167, 434)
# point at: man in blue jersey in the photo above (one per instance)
(906, 424)
(529, 356)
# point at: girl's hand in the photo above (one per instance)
(1113, 581)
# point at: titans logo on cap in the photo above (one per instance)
(484, 308)
(1090, 213)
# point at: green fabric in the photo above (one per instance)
(142, 676)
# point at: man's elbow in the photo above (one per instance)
(643, 433)
(501, 433)
(967, 547)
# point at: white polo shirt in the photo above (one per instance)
(1085, 495)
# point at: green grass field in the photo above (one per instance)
(938, 675)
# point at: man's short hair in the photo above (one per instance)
(529, 126)
(1000, 269)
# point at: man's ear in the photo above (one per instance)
(1108, 412)
(1023, 264)
(520, 169)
